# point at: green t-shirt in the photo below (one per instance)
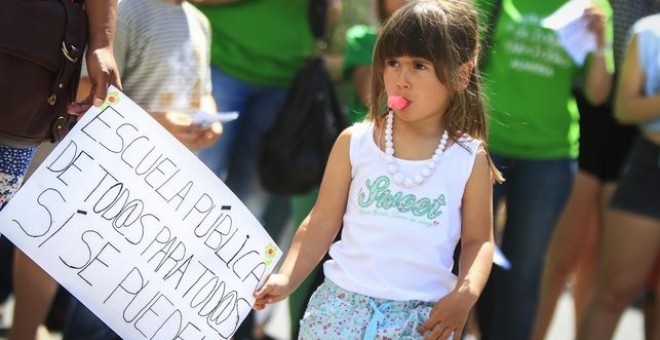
(528, 79)
(360, 42)
(263, 42)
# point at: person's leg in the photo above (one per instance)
(654, 331)
(12, 174)
(235, 157)
(484, 310)
(586, 273)
(629, 246)
(242, 176)
(567, 247)
(584, 278)
(6, 260)
(242, 173)
(34, 289)
(230, 95)
(536, 193)
(650, 303)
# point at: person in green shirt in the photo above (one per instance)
(534, 142)
(360, 42)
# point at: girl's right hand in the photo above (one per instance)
(275, 290)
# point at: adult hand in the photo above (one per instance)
(447, 318)
(191, 135)
(596, 20)
(207, 136)
(275, 290)
(103, 72)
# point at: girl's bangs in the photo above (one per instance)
(405, 39)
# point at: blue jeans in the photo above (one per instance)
(82, 324)
(535, 192)
(234, 157)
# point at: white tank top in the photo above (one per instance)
(398, 243)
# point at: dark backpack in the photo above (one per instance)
(296, 148)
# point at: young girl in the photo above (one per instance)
(406, 185)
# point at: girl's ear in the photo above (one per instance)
(464, 73)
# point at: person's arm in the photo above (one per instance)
(599, 75)
(101, 65)
(317, 232)
(451, 312)
(631, 106)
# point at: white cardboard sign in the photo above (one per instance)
(139, 230)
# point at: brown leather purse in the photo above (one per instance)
(41, 49)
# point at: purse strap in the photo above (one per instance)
(318, 10)
(72, 45)
(318, 23)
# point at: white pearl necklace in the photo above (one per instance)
(393, 169)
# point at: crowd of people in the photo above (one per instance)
(473, 127)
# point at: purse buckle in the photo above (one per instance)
(68, 55)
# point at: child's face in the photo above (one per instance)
(415, 79)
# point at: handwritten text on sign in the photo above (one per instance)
(133, 225)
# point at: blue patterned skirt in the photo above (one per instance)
(13, 167)
(335, 313)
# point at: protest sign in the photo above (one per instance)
(139, 230)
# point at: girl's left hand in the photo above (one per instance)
(596, 23)
(447, 317)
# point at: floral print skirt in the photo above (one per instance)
(13, 166)
(335, 313)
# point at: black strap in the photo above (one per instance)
(72, 46)
(318, 10)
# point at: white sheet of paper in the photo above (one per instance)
(206, 118)
(139, 230)
(501, 260)
(571, 28)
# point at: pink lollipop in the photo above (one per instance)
(397, 102)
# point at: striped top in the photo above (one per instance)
(163, 54)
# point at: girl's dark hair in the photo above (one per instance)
(445, 32)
